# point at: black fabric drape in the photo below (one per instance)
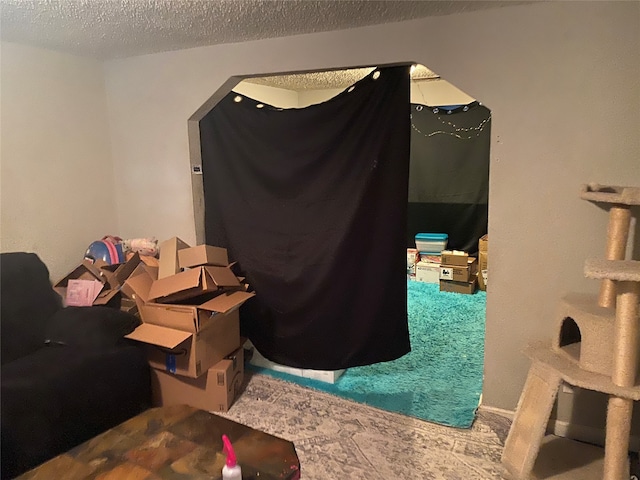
(312, 204)
(449, 174)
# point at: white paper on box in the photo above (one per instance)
(446, 273)
(82, 293)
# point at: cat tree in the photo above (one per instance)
(595, 347)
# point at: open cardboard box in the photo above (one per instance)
(214, 391)
(193, 283)
(185, 339)
(112, 277)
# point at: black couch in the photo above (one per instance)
(67, 374)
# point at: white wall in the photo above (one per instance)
(438, 92)
(56, 168)
(559, 77)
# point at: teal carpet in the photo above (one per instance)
(440, 380)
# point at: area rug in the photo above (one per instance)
(440, 380)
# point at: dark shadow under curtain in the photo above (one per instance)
(312, 204)
(449, 174)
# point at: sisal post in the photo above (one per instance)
(625, 369)
(617, 237)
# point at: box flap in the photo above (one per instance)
(118, 273)
(168, 264)
(226, 302)
(140, 281)
(223, 276)
(178, 317)
(157, 335)
(163, 287)
(85, 271)
(105, 296)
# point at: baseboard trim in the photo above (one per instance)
(499, 411)
(564, 429)
(586, 434)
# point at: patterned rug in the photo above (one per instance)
(440, 380)
(337, 438)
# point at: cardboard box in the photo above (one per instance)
(185, 340)
(454, 258)
(483, 247)
(86, 271)
(213, 392)
(458, 287)
(428, 272)
(202, 255)
(459, 274)
(193, 283)
(168, 264)
(483, 243)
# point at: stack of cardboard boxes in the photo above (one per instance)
(188, 302)
(458, 272)
(190, 324)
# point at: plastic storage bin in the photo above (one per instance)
(432, 243)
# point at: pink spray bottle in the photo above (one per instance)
(231, 470)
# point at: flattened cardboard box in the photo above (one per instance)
(203, 255)
(215, 391)
(193, 283)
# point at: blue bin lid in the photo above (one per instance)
(432, 236)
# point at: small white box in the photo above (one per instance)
(327, 376)
(428, 272)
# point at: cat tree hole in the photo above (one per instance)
(570, 338)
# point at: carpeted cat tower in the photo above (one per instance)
(595, 347)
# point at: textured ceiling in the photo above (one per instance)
(107, 29)
(121, 28)
(333, 79)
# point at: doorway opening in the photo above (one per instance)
(299, 91)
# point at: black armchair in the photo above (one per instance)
(67, 374)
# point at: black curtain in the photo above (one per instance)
(449, 173)
(312, 204)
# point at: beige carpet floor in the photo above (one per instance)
(337, 439)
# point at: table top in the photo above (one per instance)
(173, 442)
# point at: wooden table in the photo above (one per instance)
(175, 442)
